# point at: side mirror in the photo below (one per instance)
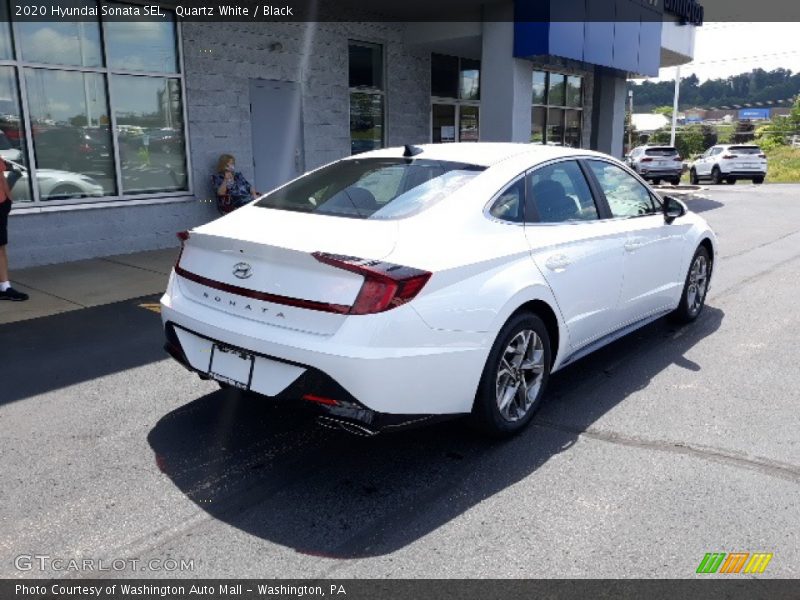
(673, 208)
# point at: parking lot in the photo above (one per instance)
(669, 444)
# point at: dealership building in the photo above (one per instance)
(116, 126)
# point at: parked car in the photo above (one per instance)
(7, 151)
(728, 163)
(53, 184)
(74, 149)
(655, 163)
(400, 285)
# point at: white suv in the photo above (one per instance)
(655, 163)
(729, 162)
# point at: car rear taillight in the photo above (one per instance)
(321, 400)
(678, 159)
(762, 156)
(385, 286)
(84, 148)
(730, 156)
(183, 236)
(647, 159)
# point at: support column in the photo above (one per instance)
(608, 111)
(505, 81)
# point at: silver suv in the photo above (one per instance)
(655, 163)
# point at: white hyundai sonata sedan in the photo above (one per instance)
(404, 284)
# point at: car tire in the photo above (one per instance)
(656, 181)
(693, 179)
(758, 180)
(716, 176)
(695, 287)
(730, 180)
(675, 181)
(501, 407)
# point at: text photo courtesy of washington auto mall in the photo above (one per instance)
(458, 299)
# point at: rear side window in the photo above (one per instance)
(372, 188)
(745, 149)
(666, 151)
(559, 193)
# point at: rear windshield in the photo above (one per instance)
(666, 151)
(372, 188)
(745, 149)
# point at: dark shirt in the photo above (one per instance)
(239, 189)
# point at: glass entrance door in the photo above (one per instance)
(444, 123)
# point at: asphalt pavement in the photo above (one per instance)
(670, 443)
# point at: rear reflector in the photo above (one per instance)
(647, 160)
(385, 286)
(321, 400)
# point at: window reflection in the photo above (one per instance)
(71, 134)
(142, 45)
(6, 51)
(12, 137)
(366, 122)
(555, 127)
(150, 134)
(470, 79)
(468, 125)
(61, 42)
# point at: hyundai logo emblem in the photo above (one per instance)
(242, 270)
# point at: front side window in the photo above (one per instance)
(560, 193)
(366, 97)
(373, 188)
(626, 195)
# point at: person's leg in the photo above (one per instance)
(3, 264)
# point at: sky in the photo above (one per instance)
(723, 49)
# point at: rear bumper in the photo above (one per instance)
(391, 363)
(744, 173)
(661, 172)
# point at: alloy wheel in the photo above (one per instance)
(519, 375)
(698, 282)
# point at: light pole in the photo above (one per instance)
(675, 104)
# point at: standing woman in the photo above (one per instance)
(232, 189)
(6, 291)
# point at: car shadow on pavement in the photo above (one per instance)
(274, 474)
(54, 352)
(700, 204)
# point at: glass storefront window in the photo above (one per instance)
(366, 97)
(444, 76)
(539, 87)
(366, 65)
(71, 134)
(537, 124)
(574, 92)
(555, 126)
(557, 112)
(556, 90)
(12, 137)
(366, 122)
(572, 133)
(468, 124)
(74, 43)
(149, 117)
(142, 45)
(6, 52)
(470, 77)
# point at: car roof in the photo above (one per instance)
(483, 154)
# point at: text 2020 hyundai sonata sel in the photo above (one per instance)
(403, 283)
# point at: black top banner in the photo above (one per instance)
(681, 11)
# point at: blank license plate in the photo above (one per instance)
(231, 366)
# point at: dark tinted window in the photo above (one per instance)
(444, 76)
(559, 193)
(366, 65)
(666, 151)
(510, 203)
(745, 149)
(372, 188)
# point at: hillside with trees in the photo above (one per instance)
(745, 88)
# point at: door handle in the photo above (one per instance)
(558, 262)
(632, 245)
